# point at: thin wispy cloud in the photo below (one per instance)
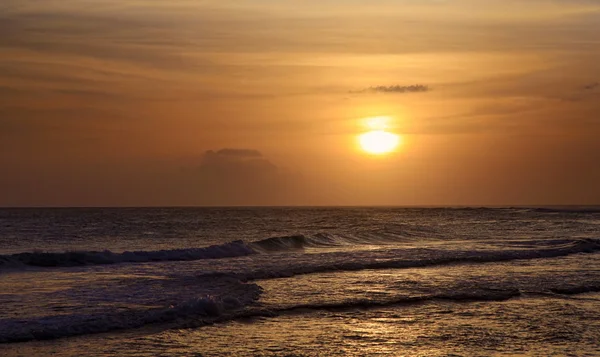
(397, 89)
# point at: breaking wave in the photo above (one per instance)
(78, 258)
(295, 242)
(202, 310)
(534, 249)
(207, 310)
(233, 249)
(207, 298)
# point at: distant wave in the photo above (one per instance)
(527, 209)
(574, 210)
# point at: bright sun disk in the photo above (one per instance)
(379, 142)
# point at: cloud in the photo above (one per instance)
(240, 176)
(242, 153)
(591, 86)
(400, 89)
(231, 164)
(586, 92)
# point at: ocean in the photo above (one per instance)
(300, 281)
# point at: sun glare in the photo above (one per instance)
(378, 123)
(379, 142)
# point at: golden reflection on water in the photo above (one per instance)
(541, 326)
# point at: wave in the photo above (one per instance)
(79, 258)
(432, 258)
(527, 249)
(202, 310)
(54, 327)
(575, 290)
(233, 249)
(476, 295)
(573, 210)
(295, 242)
(198, 312)
(472, 296)
(479, 295)
(228, 295)
(209, 310)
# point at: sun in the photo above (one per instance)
(379, 142)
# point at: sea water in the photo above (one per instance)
(300, 282)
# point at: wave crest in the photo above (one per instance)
(199, 310)
(232, 249)
(79, 258)
(295, 242)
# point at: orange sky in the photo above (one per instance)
(217, 102)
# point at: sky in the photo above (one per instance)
(227, 103)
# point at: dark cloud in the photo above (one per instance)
(228, 177)
(233, 177)
(236, 153)
(229, 163)
(415, 88)
(592, 86)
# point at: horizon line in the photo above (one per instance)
(307, 206)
